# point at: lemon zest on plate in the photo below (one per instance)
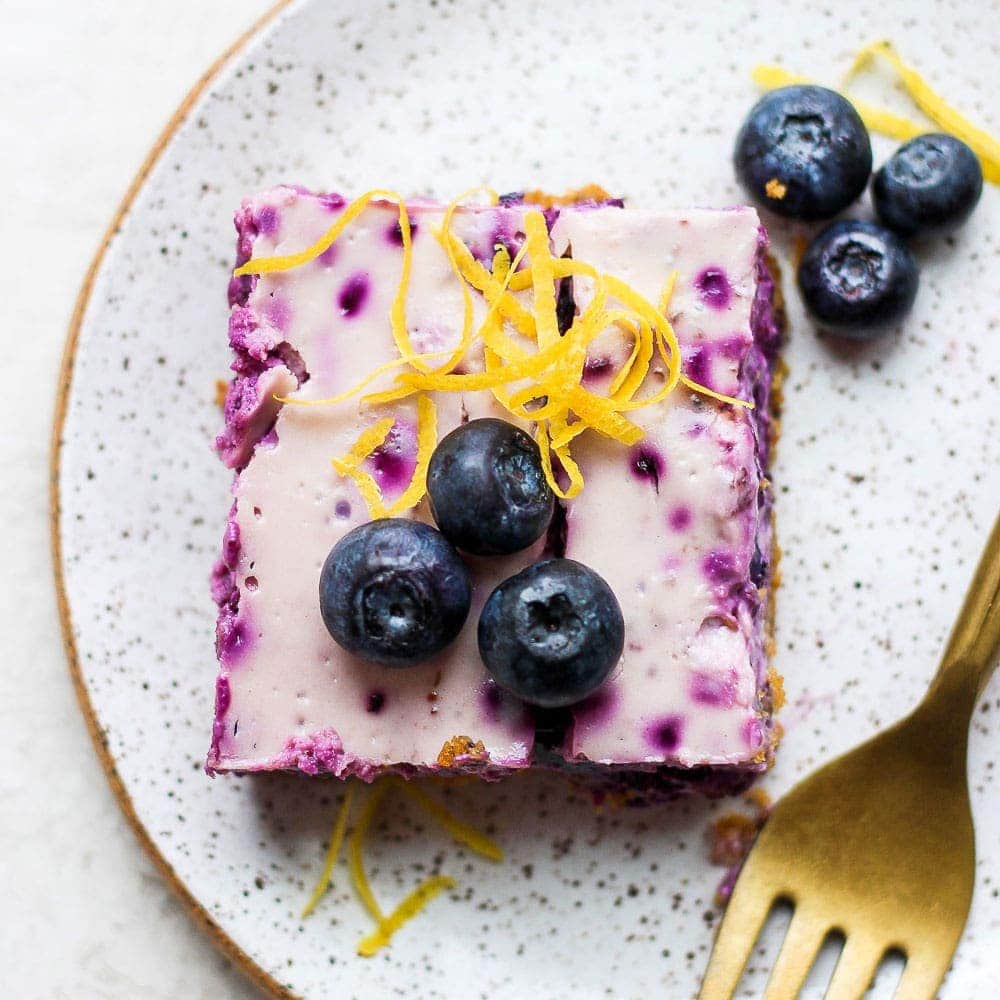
(414, 902)
(359, 877)
(462, 832)
(887, 123)
(934, 106)
(332, 853)
(408, 908)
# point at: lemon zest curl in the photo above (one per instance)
(535, 371)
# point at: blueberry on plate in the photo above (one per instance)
(803, 152)
(551, 634)
(394, 591)
(856, 277)
(487, 490)
(930, 184)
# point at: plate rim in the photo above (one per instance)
(255, 972)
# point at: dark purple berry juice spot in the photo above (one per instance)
(267, 220)
(714, 288)
(680, 518)
(698, 365)
(719, 566)
(332, 202)
(374, 702)
(712, 691)
(394, 234)
(665, 733)
(647, 463)
(393, 462)
(353, 294)
(342, 509)
(565, 300)
(492, 699)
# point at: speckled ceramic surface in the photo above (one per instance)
(888, 476)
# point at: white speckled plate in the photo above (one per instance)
(888, 476)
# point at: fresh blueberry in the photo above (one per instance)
(858, 276)
(551, 634)
(394, 591)
(804, 152)
(487, 490)
(929, 185)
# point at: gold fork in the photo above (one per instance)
(877, 845)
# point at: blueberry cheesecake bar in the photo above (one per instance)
(501, 493)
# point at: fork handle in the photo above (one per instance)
(970, 656)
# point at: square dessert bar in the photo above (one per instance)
(679, 524)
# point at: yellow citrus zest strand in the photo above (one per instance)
(269, 265)
(542, 278)
(462, 832)
(332, 853)
(668, 293)
(397, 314)
(562, 267)
(415, 901)
(350, 465)
(444, 237)
(366, 443)
(630, 375)
(934, 106)
(410, 906)
(985, 146)
(359, 877)
(426, 443)
(570, 467)
(876, 119)
(470, 270)
(374, 374)
(524, 364)
(536, 373)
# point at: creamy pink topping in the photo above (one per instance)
(671, 524)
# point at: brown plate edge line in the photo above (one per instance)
(257, 975)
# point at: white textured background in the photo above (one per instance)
(85, 88)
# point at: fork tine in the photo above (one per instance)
(855, 969)
(798, 952)
(923, 975)
(745, 915)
